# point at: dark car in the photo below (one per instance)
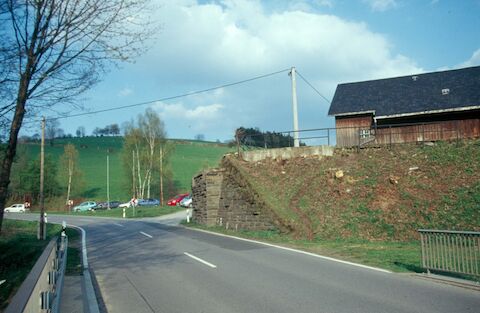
(149, 201)
(105, 205)
(176, 201)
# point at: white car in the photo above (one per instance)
(129, 203)
(125, 205)
(186, 202)
(17, 208)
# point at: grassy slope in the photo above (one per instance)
(378, 198)
(188, 159)
(191, 157)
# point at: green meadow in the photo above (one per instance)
(187, 160)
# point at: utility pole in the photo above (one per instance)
(133, 174)
(42, 226)
(108, 181)
(296, 142)
(161, 175)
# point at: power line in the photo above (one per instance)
(308, 83)
(171, 97)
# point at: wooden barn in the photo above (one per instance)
(416, 108)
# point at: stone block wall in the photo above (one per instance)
(206, 189)
(222, 198)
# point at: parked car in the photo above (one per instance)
(186, 202)
(104, 205)
(176, 200)
(148, 201)
(85, 206)
(129, 203)
(125, 205)
(16, 208)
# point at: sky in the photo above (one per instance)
(203, 44)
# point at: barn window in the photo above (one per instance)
(364, 133)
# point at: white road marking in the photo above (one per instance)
(84, 246)
(145, 234)
(297, 251)
(118, 224)
(200, 260)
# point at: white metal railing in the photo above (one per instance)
(41, 290)
(451, 251)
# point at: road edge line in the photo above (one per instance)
(87, 279)
(295, 250)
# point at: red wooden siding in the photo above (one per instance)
(348, 128)
(403, 131)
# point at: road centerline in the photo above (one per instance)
(200, 260)
(145, 234)
(118, 224)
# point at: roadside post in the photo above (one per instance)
(124, 212)
(189, 214)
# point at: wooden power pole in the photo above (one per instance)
(42, 227)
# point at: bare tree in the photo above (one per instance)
(52, 128)
(153, 132)
(70, 170)
(80, 131)
(52, 51)
(144, 142)
(199, 137)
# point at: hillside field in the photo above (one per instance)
(188, 159)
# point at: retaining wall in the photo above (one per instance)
(222, 198)
(287, 153)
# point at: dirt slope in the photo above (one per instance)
(376, 194)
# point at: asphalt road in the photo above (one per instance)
(150, 266)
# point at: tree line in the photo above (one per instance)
(254, 137)
(146, 160)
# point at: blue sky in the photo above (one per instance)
(202, 44)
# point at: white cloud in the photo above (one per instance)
(381, 5)
(473, 61)
(205, 45)
(125, 92)
(309, 5)
(178, 110)
(239, 39)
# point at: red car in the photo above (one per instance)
(176, 201)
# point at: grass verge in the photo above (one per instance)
(74, 260)
(20, 249)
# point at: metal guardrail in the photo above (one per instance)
(40, 292)
(451, 251)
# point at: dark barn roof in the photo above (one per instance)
(410, 95)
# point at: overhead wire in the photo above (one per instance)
(308, 83)
(168, 98)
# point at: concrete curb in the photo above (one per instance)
(451, 281)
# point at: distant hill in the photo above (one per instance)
(376, 194)
(189, 158)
